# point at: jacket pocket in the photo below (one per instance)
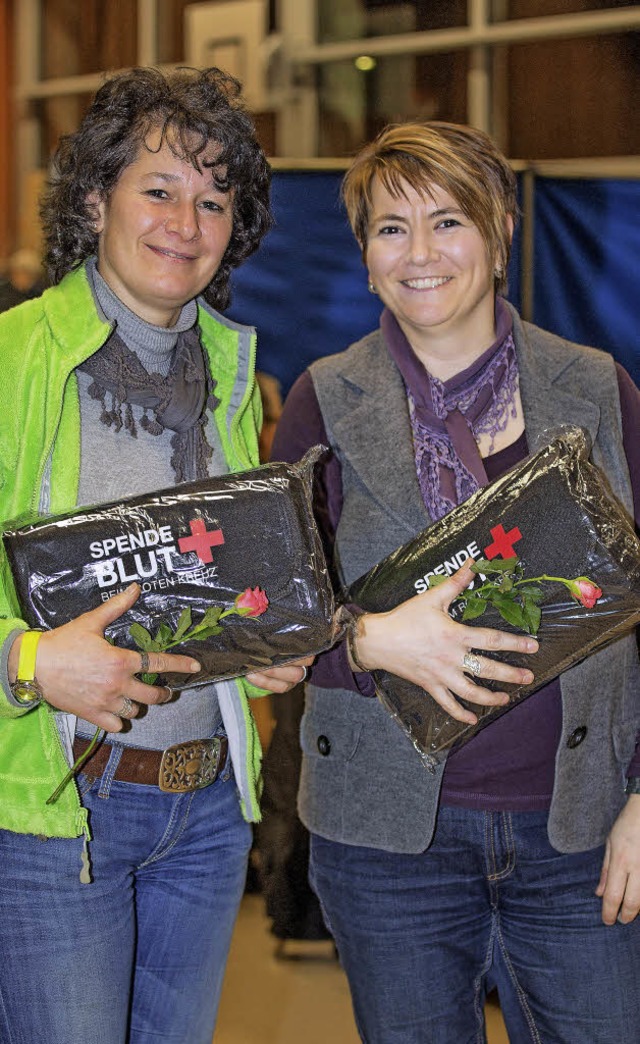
(328, 736)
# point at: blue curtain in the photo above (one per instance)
(306, 288)
(587, 264)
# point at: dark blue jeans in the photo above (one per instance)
(137, 956)
(423, 938)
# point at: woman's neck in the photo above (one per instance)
(444, 354)
(450, 347)
(154, 345)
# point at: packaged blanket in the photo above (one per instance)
(231, 570)
(552, 516)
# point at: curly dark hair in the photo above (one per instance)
(197, 107)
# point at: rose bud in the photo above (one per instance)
(589, 592)
(253, 602)
(585, 592)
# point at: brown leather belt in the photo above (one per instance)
(176, 770)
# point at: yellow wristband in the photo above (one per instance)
(27, 655)
(25, 688)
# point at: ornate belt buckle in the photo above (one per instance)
(189, 766)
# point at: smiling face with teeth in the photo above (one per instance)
(430, 266)
(162, 232)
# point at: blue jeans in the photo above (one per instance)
(138, 955)
(423, 938)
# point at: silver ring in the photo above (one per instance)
(472, 663)
(305, 671)
(128, 708)
(144, 663)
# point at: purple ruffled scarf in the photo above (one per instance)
(448, 416)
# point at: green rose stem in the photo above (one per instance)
(77, 765)
(516, 597)
(251, 602)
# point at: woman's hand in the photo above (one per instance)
(619, 885)
(281, 679)
(80, 672)
(419, 641)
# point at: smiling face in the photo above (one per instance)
(162, 233)
(430, 266)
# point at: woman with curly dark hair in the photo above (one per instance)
(187, 113)
(122, 379)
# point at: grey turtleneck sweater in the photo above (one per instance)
(115, 465)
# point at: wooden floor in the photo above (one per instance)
(267, 1000)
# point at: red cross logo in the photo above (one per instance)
(201, 540)
(503, 542)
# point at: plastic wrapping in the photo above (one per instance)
(195, 546)
(554, 512)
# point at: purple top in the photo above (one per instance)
(510, 765)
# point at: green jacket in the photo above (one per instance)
(41, 343)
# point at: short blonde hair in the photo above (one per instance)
(462, 160)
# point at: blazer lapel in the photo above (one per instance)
(540, 365)
(374, 434)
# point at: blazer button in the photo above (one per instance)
(576, 737)
(324, 745)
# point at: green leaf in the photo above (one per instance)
(163, 635)
(436, 580)
(474, 608)
(498, 565)
(530, 591)
(512, 612)
(533, 615)
(199, 634)
(531, 597)
(210, 619)
(142, 638)
(184, 623)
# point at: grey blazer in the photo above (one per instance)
(362, 782)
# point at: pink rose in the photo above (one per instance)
(253, 601)
(585, 592)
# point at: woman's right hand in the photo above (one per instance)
(419, 641)
(79, 671)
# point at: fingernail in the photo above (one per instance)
(194, 666)
(527, 677)
(532, 645)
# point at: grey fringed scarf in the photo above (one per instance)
(180, 401)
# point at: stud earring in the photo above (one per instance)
(371, 288)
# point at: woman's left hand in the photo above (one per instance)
(619, 885)
(281, 679)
